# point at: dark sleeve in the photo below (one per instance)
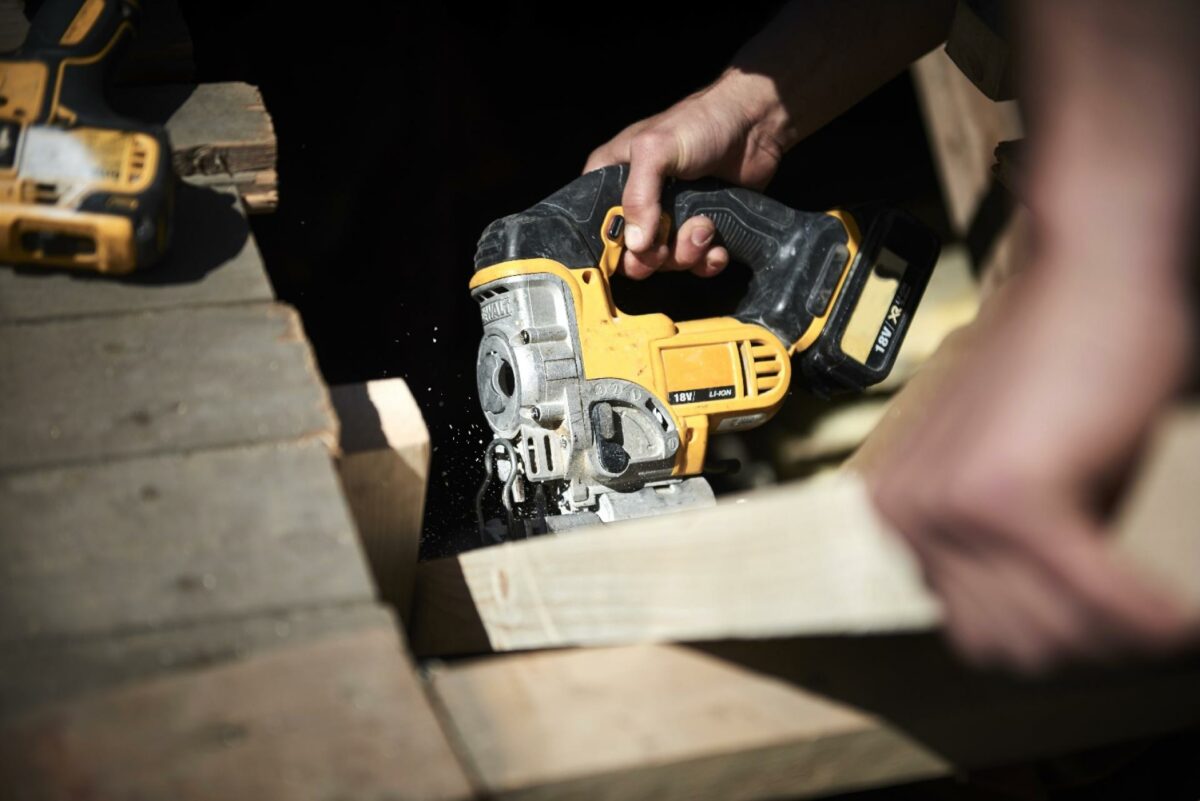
(980, 45)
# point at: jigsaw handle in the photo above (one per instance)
(811, 270)
(797, 257)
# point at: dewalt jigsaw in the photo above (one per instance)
(80, 186)
(601, 416)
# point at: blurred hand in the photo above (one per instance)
(1000, 490)
(727, 130)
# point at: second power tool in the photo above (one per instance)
(80, 186)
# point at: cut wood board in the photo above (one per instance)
(790, 719)
(799, 560)
(36, 672)
(217, 130)
(104, 387)
(213, 260)
(384, 466)
(338, 718)
(171, 540)
(807, 559)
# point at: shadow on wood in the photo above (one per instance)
(975, 718)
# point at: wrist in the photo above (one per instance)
(761, 112)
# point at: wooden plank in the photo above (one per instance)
(213, 260)
(105, 387)
(973, 718)
(342, 717)
(662, 723)
(1160, 520)
(217, 130)
(42, 671)
(384, 467)
(779, 719)
(797, 559)
(964, 127)
(800, 560)
(169, 540)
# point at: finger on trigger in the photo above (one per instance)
(715, 260)
(642, 265)
(692, 242)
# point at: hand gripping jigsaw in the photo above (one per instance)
(601, 416)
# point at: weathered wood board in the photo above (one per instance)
(339, 717)
(35, 672)
(105, 387)
(172, 540)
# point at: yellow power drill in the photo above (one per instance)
(602, 416)
(80, 186)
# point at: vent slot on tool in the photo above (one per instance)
(762, 366)
(487, 294)
(138, 156)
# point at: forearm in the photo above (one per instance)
(818, 58)
(1113, 92)
(1114, 113)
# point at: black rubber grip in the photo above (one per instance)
(787, 250)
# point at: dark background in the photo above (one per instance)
(404, 131)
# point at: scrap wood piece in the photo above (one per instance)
(99, 388)
(221, 131)
(794, 719)
(384, 467)
(341, 717)
(143, 544)
(793, 560)
(213, 259)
